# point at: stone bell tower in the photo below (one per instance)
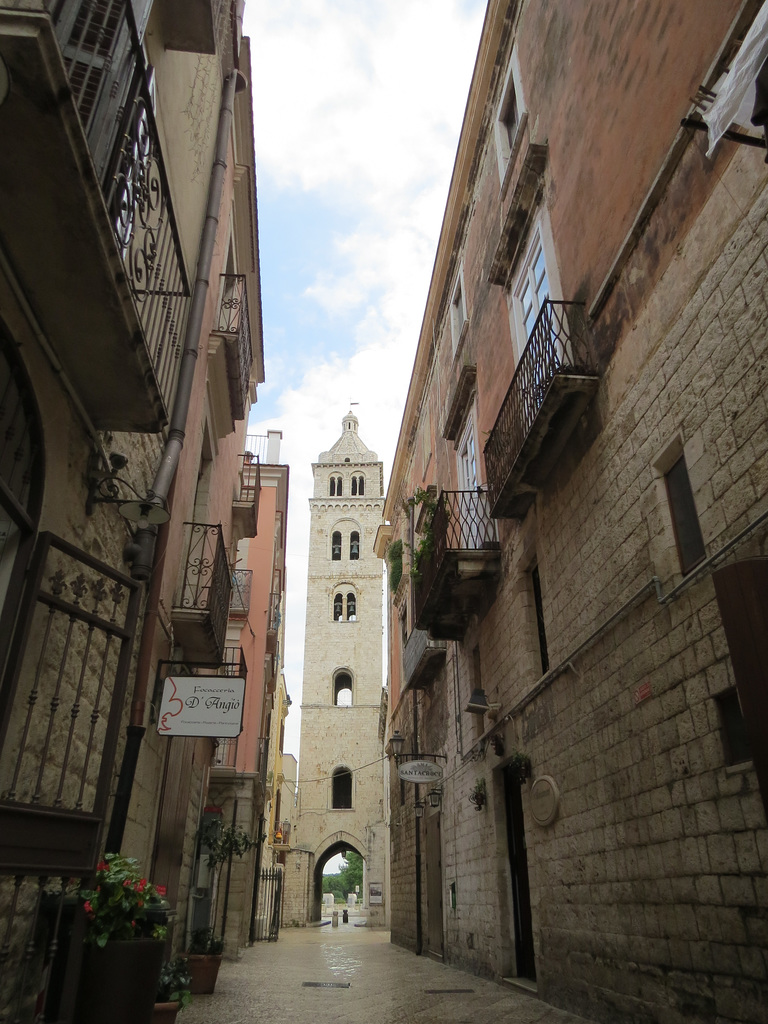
(342, 773)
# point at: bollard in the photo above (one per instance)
(335, 919)
(345, 916)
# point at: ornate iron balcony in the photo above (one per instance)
(245, 507)
(201, 610)
(454, 579)
(226, 753)
(113, 93)
(235, 326)
(241, 593)
(552, 385)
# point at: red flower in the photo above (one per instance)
(141, 903)
(133, 924)
(89, 909)
(102, 866)
(160, 890)
(126, 883)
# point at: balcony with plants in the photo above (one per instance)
(554, 382)
(201, 608)
(455, 564)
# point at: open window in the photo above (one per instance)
(338, 608)
(354, 545)
(336, 546)
(351, 607)
(342, 690)
(341, 784)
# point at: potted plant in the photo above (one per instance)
(204, 961)
(173, 990)
(479, 795)
(123, 944)
(222, 843)
(520, 766)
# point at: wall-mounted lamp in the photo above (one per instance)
(396, 744)
(478, 703)
(435, 797)
(145, 512)
(418, 809)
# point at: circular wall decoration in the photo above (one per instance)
(545, 800)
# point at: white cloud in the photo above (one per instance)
(360, 106)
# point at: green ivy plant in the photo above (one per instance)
(395, 562)
(426, 543)
(223, 841)
(520, 764)
(173, 986)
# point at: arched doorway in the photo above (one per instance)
(340, 843)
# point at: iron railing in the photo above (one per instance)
(113, 92)
(250, 479)
(557, 345)
(257, 445)
(207, 581)
(226, 753)
(241, 593)
(273, 621)
(262, 760)
(461, 522)
(234, 323)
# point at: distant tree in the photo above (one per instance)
(344, 882)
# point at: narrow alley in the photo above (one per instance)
(349, 974)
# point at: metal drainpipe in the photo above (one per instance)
(417, 822)
(142, 550)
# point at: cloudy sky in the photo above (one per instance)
(357, 112)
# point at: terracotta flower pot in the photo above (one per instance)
(204, 971)
(118, 982)
(165, 1013)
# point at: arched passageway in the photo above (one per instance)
(341, 846)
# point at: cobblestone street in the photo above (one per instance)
(291, 980)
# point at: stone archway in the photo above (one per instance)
(339, 842)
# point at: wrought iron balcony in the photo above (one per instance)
(85, 101)
(241, 593)
(262, 760)
(225, 756)
(552, 385)
(423, 658)
(245, 507)
(201, 609)
(456, 580)
(273, 622)
(234, 327)
(282, 835)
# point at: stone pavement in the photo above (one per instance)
(387, 985)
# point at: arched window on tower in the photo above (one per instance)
(342, 690)
(354, 544)
(351, 608)
(332, 488)
(338, 487)
(354, 486)
(361, 485)
(338, 608)
(336, 546)
(342, 788)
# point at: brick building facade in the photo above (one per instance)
(580, 488)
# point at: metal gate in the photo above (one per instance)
(269, 905)
(61, 704)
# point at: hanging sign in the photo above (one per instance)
(201, 706)
(420, 771)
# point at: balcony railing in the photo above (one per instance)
(226, 753)
(234, 325)
(282, 834)
(245, 507)
(200, 613)
(423, 658)
(257, 445)
(453, 580)
(241, 593)
(551, 387)
(262, 760)
(112, 89)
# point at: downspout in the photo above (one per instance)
(417, 822)
(141, 552)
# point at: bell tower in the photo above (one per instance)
(342, 770)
